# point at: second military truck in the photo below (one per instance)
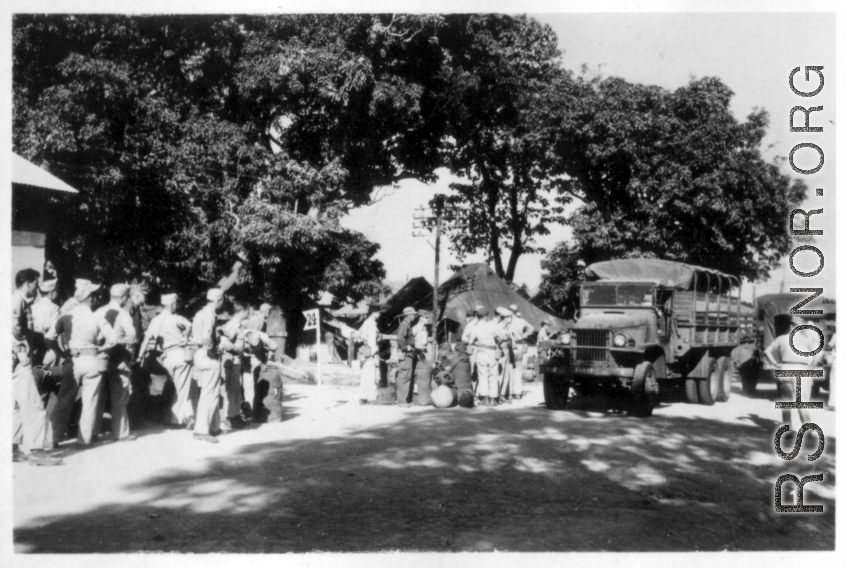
(643, 322)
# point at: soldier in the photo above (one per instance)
(543, 335)
(90, 337)
(423, 365)
(507, 359)
(120, 357)
(57, 339)
(520, 330)
(45, 312)
(169, 333)
(257, 320)
(137, 299)
(368, 355)
(478, 313)
(30, 408)
(780, 355)
(406, 367)
(485, 337)
(207, 365)
(232, 348)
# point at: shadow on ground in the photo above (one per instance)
(522, 479)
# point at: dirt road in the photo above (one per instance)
(370, 478)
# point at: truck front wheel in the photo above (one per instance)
(643, 391)
(556, 389)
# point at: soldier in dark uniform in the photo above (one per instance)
(406, 368)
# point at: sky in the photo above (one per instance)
(751, 53)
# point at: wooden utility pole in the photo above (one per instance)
(435, 221)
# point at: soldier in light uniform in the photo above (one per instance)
(30, 414)
(232, 347)
(520, 330)
(368, 355)
(169, 333)
(479, 312)
(120, 357)
(485, 338)
(207, 366)
(91, 336)
(45, 312)
(507, 369)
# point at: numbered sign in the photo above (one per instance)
(311, 319)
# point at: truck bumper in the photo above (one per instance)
(616, 372)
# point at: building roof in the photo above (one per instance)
(475, 284)
(25, 172)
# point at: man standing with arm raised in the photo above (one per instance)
(169, 332)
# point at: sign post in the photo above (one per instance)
(313, 321)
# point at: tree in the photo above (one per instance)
(672, 175)
(504, 94)
(194, 140)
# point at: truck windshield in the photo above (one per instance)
(618, 295)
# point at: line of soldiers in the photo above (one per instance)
(87, 348)
(496, 347)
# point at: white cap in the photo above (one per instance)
(84, 289)
(503, 312)
(118, 290)
(514, 307)
(214, 294)
(265, 308)
(47, 286)
(168, 299)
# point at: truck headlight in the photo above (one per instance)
(565, 338)
(620, 340)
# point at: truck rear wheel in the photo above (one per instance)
(556, 389)
(725, 368)
(707, 389)
(643, 391)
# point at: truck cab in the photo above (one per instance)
(643, 322)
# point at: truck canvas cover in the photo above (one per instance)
(773, 305)
(662, 272)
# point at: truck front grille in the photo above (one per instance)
(592, 347)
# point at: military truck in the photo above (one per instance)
(643, 323)
(772, 318)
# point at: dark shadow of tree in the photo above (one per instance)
(522, 479)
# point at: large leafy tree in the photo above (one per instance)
(507, 94)
(194, 140)
(673, 175)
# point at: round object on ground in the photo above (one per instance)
(725, 369)
(707, 389)
(443, 397)
(556, 389)
(643, 390)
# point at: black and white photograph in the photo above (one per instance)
(421, 282)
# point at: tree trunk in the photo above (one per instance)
(493, 233)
